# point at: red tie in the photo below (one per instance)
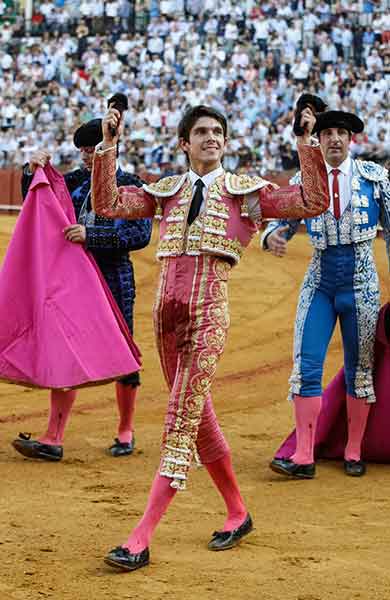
(336, 194)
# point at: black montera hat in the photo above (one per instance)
(317, 102)
(88, 134)
(304, 100)
(338, 118)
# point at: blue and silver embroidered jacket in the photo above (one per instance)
(369, 206)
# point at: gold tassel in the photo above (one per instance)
(159, 213)
(244, 208)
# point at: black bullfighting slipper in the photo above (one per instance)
(123, 559)
(285, 466)
(122, 448)
(354, 468)
(224, 540)
(34, 449)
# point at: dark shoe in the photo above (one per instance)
(285, 466)
(34, 449)
(224, 540)
(122, 448)
(354, 468)
(123, 559)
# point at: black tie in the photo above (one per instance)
(196, 202)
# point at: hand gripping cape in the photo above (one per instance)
(331, 435)
(60, 326)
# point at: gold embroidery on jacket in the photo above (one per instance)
(174, 230)
(315, 181)
(220, 245)
(244, 184)
(170, 247)
(164, 185)
(207, 233)
(218, 209)
(214, 224)
(176, 213)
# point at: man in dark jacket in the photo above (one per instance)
(109, 241)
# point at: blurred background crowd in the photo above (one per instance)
(249, 59)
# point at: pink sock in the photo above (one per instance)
(125, 397)
(222, 473)
(357, 410)
(160, 497)
(307, 410)
(61, 403)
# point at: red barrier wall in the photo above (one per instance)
(10, 193)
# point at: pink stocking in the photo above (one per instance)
(214, 453)
(357, 410)
(160, 497)
(61, 403)
(222, 473)
(125, 397)
(307, 410)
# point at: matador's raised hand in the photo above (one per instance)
(112, 125)
(308, 122)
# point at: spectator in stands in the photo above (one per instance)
(249, 59)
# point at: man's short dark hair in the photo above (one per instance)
(192, 115)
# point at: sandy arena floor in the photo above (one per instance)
(326, 539)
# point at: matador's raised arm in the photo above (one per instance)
(108, 200)
(304, 200)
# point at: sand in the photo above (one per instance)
(325, 539)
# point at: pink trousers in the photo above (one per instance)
(191, 319)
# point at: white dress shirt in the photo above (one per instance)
(208, 179)
(344, 178)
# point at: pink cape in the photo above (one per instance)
(60, 326)
(331, 435)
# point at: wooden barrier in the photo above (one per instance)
(11, 195)
(10, 192)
